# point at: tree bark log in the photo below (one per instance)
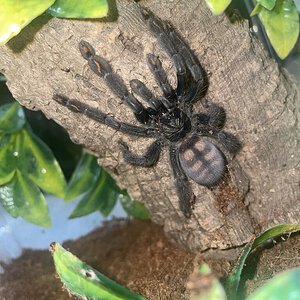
(261, 102)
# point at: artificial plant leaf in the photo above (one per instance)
(109, 193)
(134, 208)
(12, 117)
(217, 6)
(37, 161)
(268, 4)
(281, 25)
(79, 9)
(102, 197)
(84, 177)
(285, 285)
(85, 282)
(7, 157)
(21, 197)
(256, 10)
(7, 198)
(15, 15)
(233, 280)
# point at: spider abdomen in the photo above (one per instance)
(202, 160)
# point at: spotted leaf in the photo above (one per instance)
(281, 25)
(85, 282)
(15, 15)
(36, 160)
(22, 198)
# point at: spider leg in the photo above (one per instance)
(148, 159)
(160, 75)
(199, 82)
(139, 88)
(185, 194)
(103, 69)
(101, 117)
(158, 28)
(229, 141)
(215, 118)
(189, 85)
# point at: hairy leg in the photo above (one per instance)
(230, 142)
(217, 116)
(103, 69)
(101, 117)
(160, 75)
(191, 77)
(184, 191)
(139, 88)
(148, 159)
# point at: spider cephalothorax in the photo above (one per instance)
(197, 144)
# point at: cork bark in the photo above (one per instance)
(261, 102)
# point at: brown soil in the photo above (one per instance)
(281, 254)
(138, 255)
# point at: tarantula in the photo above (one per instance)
(196, 141)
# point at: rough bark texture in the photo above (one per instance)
(260, 100)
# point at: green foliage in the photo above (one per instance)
(280, 19)
(79, 9)
(21, 197)
(232, 282)
(15, 15)
(217, 6)
(285, 285)
(268, 4)
(27, 165)
(12, 118)
(102, 196)
(134, 208)
(85, 282)
(84, 177)
(281, 24)
(99, 190)
(38, 163)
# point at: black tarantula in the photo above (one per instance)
(196, 142)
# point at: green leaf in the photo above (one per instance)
(233, 280)
(12, 117)
(79, 9)
(36, 160)
(7, 198)
(268, 4)
(21, 197)
(7, 157)
(102, 197)
(84, 177)
(256, 10)
(15, 15)
(85, 282)
(281, 25)
(285, 285)
(217, 6)
(134, 208)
